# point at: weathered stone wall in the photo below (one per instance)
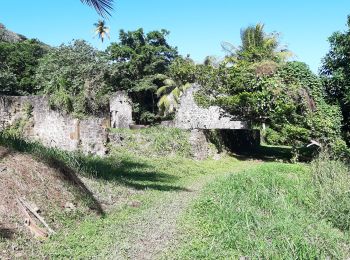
(190, 116)
(52, 128)
(121, 110)
(56, 129)
(200, 147)
(10, 110)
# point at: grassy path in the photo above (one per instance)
(155, 231)
(151, 195)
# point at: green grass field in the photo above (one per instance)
(269, 212)
(173, 207)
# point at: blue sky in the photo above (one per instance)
(197, 27)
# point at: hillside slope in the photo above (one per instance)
(49, 188)
(9, 36)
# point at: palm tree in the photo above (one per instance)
(103, 7)
(258, 46)
(254, 37)
(170, 95)
(101, 30)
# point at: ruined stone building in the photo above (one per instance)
(90, 135)
(56, 129)
(191, 116)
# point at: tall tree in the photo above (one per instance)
(141, 62)
(18, 65)
(258, 46)
(101, 30)
(336, 74)
(103, 7)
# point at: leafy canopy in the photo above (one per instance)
(256, 83)
(335, 72)
(140, 64)
(75, 76)
(18, 65)
(102, 7)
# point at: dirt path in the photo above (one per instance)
(155, 230)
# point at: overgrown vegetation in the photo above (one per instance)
(18, 65)
(141, 62)
(135, 179)
(153, 141)
(255, 81)
(75, 76)
(336, 75)
(268, 210)
(273, 211)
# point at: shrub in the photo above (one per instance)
(18, 64)
(273, 137)
(340, 149)
(75, 77)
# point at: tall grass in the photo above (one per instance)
(275, 211)
(153, 142)
(331, 181)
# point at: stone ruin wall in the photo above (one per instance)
(90, 135)
(120, 107)
(53, 128)
(191, 116)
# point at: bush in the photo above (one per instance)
(18, 64)
(273, 137)
(340, 149)
(75, 76)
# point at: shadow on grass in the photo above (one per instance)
(6, 233)
(80, 190)
(137, 175)
(266, 153)
(273, 153)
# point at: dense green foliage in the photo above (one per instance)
(336, 74)
(75, 76)
(181, 77)
(18, 65)
(141, 62)
(256, 83)
(275, 211)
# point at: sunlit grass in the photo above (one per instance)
(269, 212)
